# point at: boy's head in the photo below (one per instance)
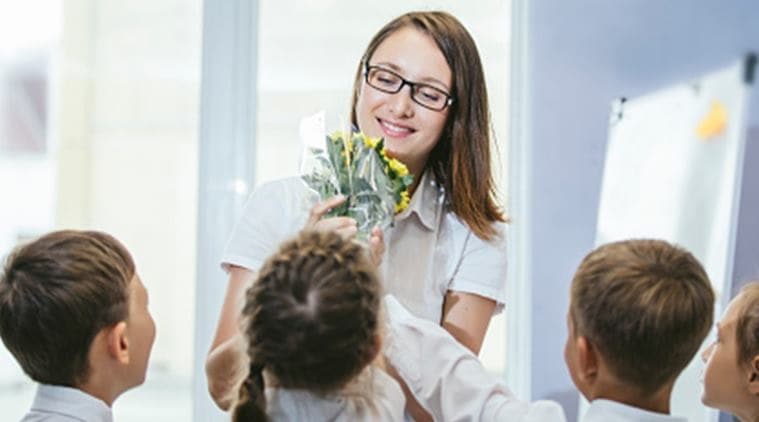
(72, 307)
(731, 376)
(639, 310)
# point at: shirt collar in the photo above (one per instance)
(626, 412)
(71, 402)
(426, 202)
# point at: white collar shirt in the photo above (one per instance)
(428, 250)
(54, 403)
(601, 410)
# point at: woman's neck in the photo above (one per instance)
(415, 183)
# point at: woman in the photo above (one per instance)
(420, 86)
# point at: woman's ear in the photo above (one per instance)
(753, 375)
(118, 343)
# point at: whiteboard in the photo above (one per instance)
(673, 170)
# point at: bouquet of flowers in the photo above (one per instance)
(356, 166)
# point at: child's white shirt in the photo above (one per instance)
(53, 403)
(610, 411)
(448, 380)
(380, 399)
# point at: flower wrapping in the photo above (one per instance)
(352, 164)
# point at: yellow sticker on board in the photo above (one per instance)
(714, 123)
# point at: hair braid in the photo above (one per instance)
(311, 317)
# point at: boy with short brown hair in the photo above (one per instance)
(73, 312)
(639, 311)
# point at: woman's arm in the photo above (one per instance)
(226, 364)
(467, 316)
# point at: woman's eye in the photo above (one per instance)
(385, 78)
(430, 94)
(431, 97)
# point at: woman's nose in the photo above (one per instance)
(401, 104)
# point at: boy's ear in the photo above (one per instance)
(753, 376)
(118, 343)
(587, 359)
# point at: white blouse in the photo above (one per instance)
(373, 396)
(428, 250)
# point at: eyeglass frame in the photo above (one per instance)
(412, 85)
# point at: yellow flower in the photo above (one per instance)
(336, 136)
(398, 167)
(369, 141)
(383, 155)
(403, 204)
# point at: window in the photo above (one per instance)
(99, 105)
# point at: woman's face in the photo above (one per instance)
(410, 130)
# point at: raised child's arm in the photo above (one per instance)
(448, 379)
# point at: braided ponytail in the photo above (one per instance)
(311, 318)
(251, 404)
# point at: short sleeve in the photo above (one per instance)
(481, 268)
(274, 212)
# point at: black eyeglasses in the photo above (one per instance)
(390, 82)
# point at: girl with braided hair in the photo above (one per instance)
(311, 321)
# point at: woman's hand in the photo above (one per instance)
(344, 226)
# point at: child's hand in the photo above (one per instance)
(344, 226)
(376, 246)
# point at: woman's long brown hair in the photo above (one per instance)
(461, 159)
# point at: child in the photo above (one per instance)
(312, 330)
(639, 311)
(731, 376)
(74, 314)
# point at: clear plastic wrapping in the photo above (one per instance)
(356, 166)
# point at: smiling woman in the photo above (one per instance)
(410, 131)
(445, 255)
